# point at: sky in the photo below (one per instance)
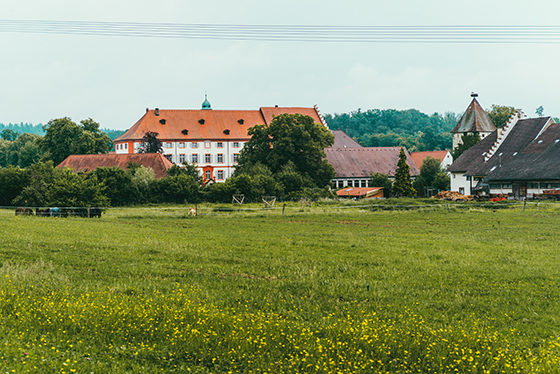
(113, 79)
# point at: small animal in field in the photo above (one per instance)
(192, 212)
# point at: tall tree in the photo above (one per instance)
(290, 138)
(467, 142)
(403, 182)
(63, 137)
(500, 114)
(431, 176)
(151, 143)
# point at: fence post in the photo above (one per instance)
(195, 209)
(283, 208)
(524, 204)
(447, 207)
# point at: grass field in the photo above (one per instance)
(314, 290)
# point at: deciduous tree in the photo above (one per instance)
(291, 138)
(500, 114)
(151, 143)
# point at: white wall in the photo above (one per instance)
(458, 181)
(174, 150)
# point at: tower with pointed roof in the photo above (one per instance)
(206, 104)
(474, 121)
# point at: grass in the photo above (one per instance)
(322, 289)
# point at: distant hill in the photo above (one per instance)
(389, 127)
(23, 128)
(29, 128)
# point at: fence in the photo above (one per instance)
(279, 209)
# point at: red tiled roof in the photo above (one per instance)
(216, 123)
(270, 112)
(419, 157)
(362, 162)
(86, 163)
(359, 191)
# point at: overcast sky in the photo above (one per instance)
(113, 79)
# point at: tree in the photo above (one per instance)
(151, 143)
(403, 182)
(539, 111)
(69, 189)
(8, 134)
(186, 169)
(500, 114)
(291, 138)
(431, 176)
(118, 185)
(468, 140)
(63, 138)
(382, 180)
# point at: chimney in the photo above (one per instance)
(147, 110)
(474, 95)
(157, 111)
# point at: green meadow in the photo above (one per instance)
(326, 289)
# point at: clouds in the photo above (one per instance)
(113, 79)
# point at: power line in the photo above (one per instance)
(454, 34)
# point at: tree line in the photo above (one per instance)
(63, 137)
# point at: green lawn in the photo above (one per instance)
(316, 290)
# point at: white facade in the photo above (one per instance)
(460, 183)
(215, 159)
(447, 161)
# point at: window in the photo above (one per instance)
(194, 158)
(207, 144)
(181, 145)
(533, 186)
(194, 145)
(495, 186)
(168, 145)
(208, 174)
(235, 157)
(506, 185)
(181, 158)
(125, 145)
(169, 157)
(220, 158)
(235, 144)
(220, 145)
(363, 183)
(461, 190)
(208, 158)
(220, 174)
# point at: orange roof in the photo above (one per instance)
(207, 124)
(155, 161)
(419, 157)
(359, 191)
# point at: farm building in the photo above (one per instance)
(354, 166)
(522, 148)
(361, 192)
(85, 163)
(210, 139)
(444, 157)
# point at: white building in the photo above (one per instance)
(210, 139)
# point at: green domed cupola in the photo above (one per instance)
(206, 104)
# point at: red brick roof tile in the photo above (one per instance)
(86, 163)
